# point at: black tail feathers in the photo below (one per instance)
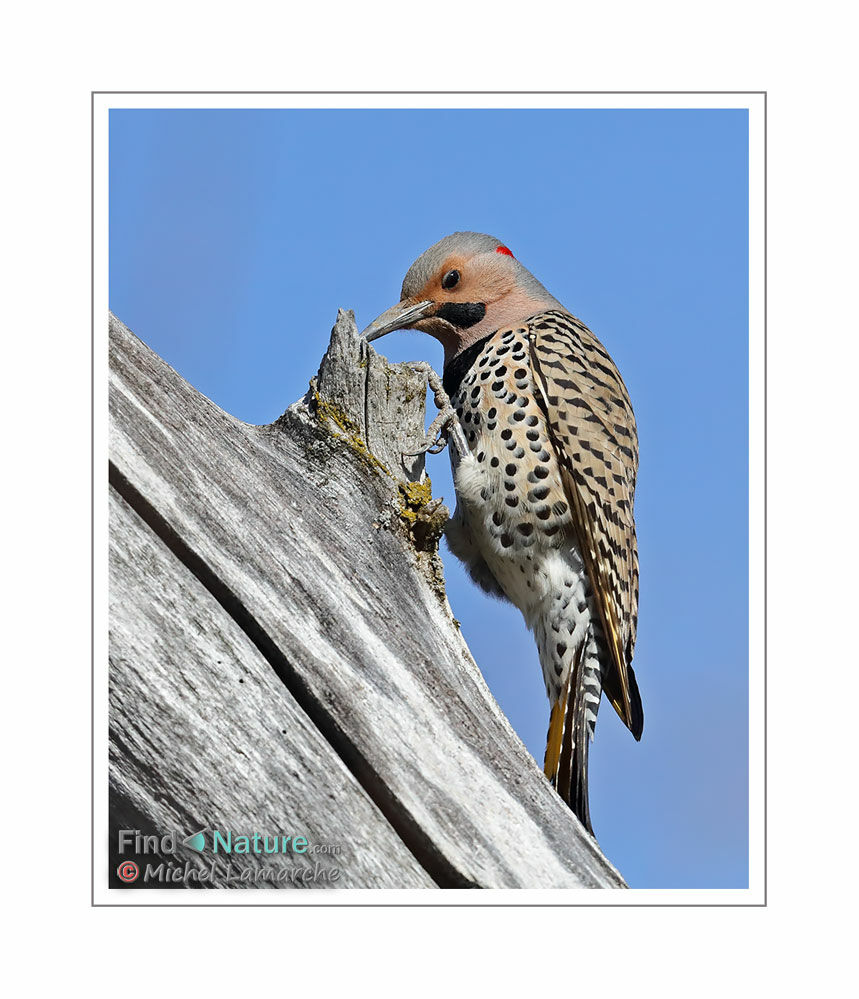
(573, 769)
(637, 711)
(571, 777)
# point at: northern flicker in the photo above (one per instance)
(544, 451)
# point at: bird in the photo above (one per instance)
(544, 467)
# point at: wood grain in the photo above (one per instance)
(204, 736)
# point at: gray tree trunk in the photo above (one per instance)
(283, 659)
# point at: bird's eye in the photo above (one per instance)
(450, 280)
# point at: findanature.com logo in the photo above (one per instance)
(225, 843)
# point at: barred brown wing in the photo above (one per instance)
(592, 426)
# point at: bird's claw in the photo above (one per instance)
(445, 429)
(438, 435)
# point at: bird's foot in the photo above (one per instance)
(445, 429)
(436, 438)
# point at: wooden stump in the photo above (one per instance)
(283, 659)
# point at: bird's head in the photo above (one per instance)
(463, 287)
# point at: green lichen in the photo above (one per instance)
(416, 494)
(424, 520)
(350, 432)
(331, 411)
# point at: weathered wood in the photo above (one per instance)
(204, 735)
(382, 404)
(323, 552)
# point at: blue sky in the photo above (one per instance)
(235, 236)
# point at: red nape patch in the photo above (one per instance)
(504, 250)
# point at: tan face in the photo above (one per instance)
(464, 291)
(484, 278)
(465, 298)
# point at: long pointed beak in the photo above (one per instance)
(400, 317)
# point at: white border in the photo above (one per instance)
(755, 894)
